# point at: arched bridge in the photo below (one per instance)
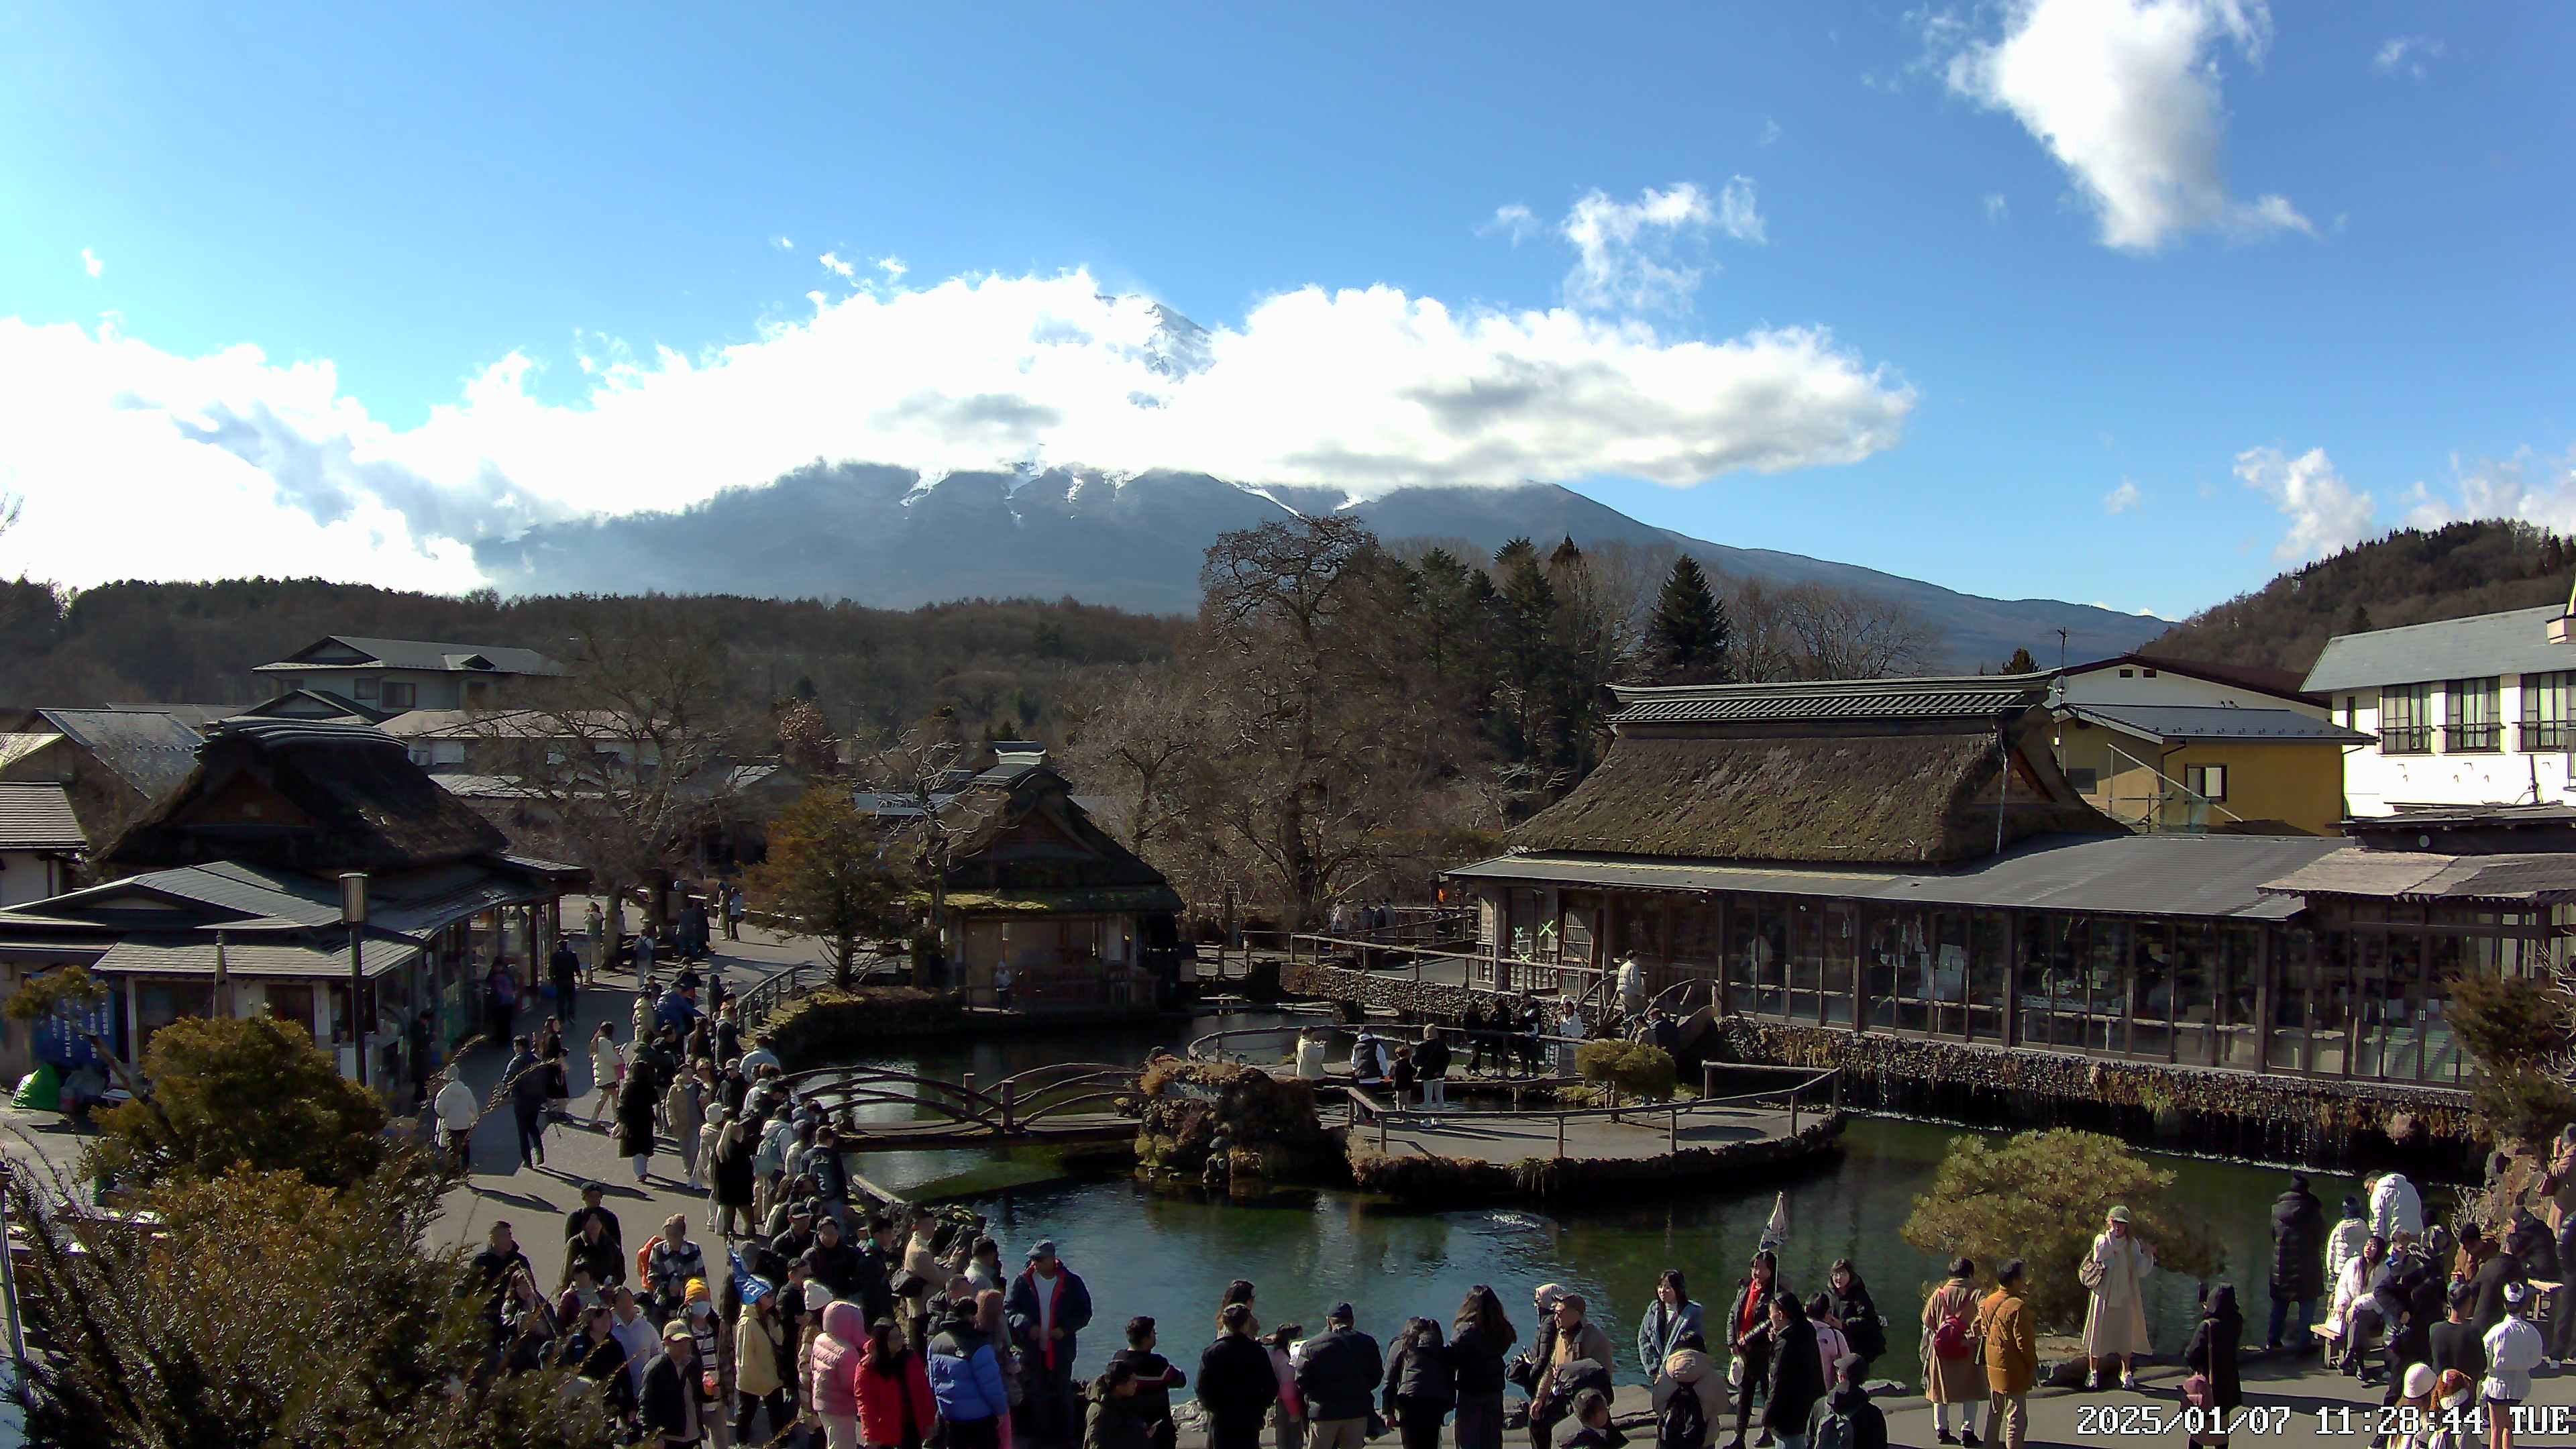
(1066, 1101)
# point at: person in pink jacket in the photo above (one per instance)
(833, 1386)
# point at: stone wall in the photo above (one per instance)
(2326, 1121)
(1395, 991)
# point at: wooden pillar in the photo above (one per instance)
(2263, 936)
(2012, 978)
(1860, 967)
(1725, 954)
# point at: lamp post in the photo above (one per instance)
(353, 914)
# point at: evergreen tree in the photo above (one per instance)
(2358, 621)
(2021, 663)
(1686, 640)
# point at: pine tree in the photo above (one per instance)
(2021, 663)
(2358, 621)
(1686, 640)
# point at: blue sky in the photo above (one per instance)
(2121, 301)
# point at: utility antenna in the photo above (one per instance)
(2061, 641)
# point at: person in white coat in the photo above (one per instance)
(2343, 1244)
(2396, 1209)
(1310, 1057)
(2114, 1275)
(457, 1107)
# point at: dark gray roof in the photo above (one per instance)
(38, 817)
(2206, 877)
(2513, 642)
(150, 751)
(193, 954)
(2216, 722)
(2540, 878)
(1966, 697)
(417, 654)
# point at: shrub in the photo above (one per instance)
(2518, 1029)
(2040, 1197)
(249, 1092)
(1637, 1069)
(270, 1311)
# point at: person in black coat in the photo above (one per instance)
(2500, 1269)
(2298, 1259)
(1421, 1384)
(2213, 1349)
(1747, 1334)
(1237, 1385)
(667, 1398)
(635, 1103)
(1339, 1374)
(2455, 1343)
(1857, 1312)
(1478, 1338)
(1797, 1378)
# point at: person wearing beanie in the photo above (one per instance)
(2513, 1351)
(2414, 1404)
(1847, 1416)
(760, 1359)
(714, 1342)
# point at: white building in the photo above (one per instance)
(2467, 712)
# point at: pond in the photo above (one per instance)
(1169, 1255)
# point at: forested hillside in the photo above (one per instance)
(1005, 665)
(2411, 576)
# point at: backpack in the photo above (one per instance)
(1950, 1340)
(1685, 1421)
(1834, 1431)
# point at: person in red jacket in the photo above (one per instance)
(895, 1408)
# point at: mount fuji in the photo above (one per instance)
(891, 537)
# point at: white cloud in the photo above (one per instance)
(2125, 94)
(1514, 220)
(784, 244)
(1629, 254)
(2324, 510)
(91, 263)
(2121, 499)
(2406, 55)
(138, 462)
(833, 263)
(2529, 486)
(1996, 207)
(892, 266)
(1770, 131)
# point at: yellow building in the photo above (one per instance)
(2215, 768)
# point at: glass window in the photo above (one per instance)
(1806, 959)
(1842, 960)
(2107, 988)
(2207, 781)
(2544, 711)
(2470, 714)
(2349, 711)
(2406, 719)
(1913, 971)
(2193, 999)
(1987, 970)
(401, 696)
(366, 686)
(1950, 973)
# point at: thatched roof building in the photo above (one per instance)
(298, 795)
(1889, 772)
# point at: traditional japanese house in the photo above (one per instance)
(1906, 857)
(1082, 921)
(227, 897)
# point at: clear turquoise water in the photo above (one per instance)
(1169, 1255)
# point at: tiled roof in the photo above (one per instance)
(2544, 878)
(149, 751)
(38, 817)
(421, 654)
(1970, 697)
(2217, 722)
(193, 954)
(2186, 876)
(2513, 642)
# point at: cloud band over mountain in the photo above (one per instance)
(133, 461)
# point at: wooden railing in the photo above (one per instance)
(1366, 1107)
